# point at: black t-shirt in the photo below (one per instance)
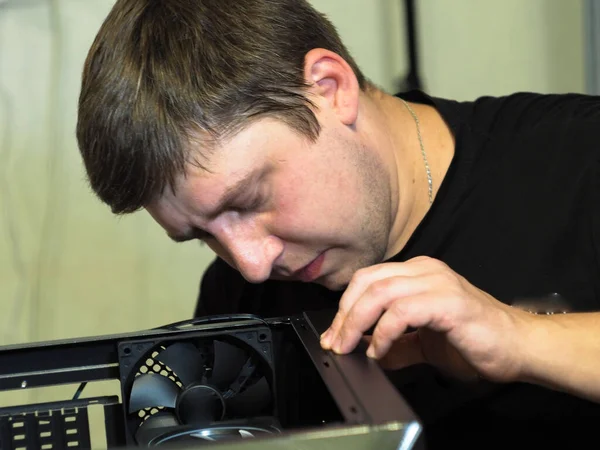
(518, 215)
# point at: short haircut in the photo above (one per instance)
(162, 74)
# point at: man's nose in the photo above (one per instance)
(253, 256)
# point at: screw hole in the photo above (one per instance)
(127, 350)
(353, 409)
(326, 363)
(262, 337)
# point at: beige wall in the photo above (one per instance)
(69, 268)
(469, 48)
(84, 271)
(485, 47)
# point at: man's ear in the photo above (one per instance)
(332, 79)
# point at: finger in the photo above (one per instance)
(421, 310)
(372, 304)
(328, 336)
(359, 283)
(361, 280)
(365, 277)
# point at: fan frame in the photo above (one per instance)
(133, 353)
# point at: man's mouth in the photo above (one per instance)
(311, 271)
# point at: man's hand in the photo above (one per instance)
(461, 330)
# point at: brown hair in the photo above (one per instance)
(162, 73)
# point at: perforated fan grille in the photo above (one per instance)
(152, 365)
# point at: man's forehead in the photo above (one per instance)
(221, 167)
(252, 134)
(238, 156)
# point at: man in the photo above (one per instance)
(246, 124)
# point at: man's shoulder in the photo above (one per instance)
(530, 127)
(521, 108)
(524, 112)
(515, 118)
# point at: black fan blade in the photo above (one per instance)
(152, 390)
(229, 359)
(185, 360)
(251, 401)
(155, 426)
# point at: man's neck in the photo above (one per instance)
(410, 184)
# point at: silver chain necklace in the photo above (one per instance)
(427, 170)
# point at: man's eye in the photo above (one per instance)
(205, 239)
(250, 205)
(202, 235)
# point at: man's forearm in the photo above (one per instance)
(562, 352)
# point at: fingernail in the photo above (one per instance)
(371, 353)
(325, 339)
(337, 344)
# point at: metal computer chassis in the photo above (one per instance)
(372, 412)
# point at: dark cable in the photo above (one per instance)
(412, 80)
(79, 390)
(212, 319)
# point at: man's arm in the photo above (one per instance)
(562, 352)
(464, 331)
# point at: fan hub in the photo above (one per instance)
(200, 404)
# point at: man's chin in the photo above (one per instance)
(332, 283)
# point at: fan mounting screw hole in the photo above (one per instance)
(326, 363)
(262, 337)
(353, 409)
(127, 350)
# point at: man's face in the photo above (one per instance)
(276, 205)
